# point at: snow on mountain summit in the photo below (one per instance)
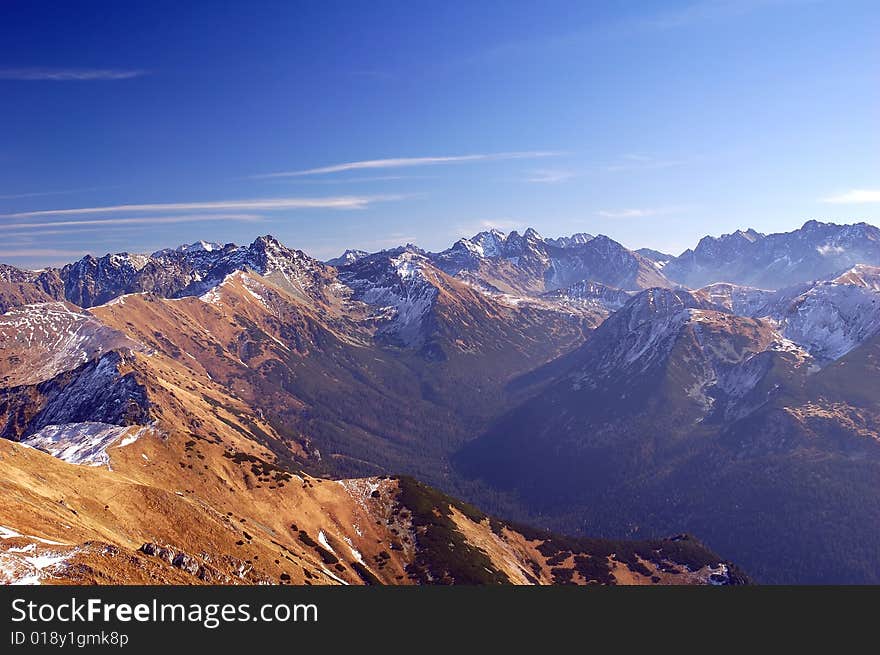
(529, 263)
(775, 261)
(828, 318)
(832, 318)
(207, 246)
(394, 280)
(350, 256)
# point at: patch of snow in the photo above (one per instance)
(831, 319)
(120, 300)
(40, 562)
(206, 246)
(405, 266)
(49, 338)
(337, 578)
(354, 551)
(130, 438)
(719, 575)
(322, 539)
(28, 564)
(81, 443)
(212, 295)
(361, 489)
(399, 286)
(252, 286)
(9, 533)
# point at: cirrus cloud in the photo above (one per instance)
(22, 253)
(67, 74)
(550, 176)
(253, 204)
(628, 213)
(403, 162)
(137, 220)
(854, 197)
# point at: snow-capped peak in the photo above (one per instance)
(394, 282)
(577, 239)
(832, 318)
(829, 318)
(489, 244)
(407, 264)
(350, 256)
(207, 246)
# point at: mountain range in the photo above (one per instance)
(233, 413)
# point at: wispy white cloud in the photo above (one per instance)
(391, 241)
(855, 197)
(471, 228)
(635, 162)
(138, 220)
(37, 194)
(31, 235)
(627, 213)
(254, 204)
(642, 212)
(23, 253)
(351, 180)
(68, 74)
(550, 176)
(403, 162)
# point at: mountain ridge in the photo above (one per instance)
(503, 369)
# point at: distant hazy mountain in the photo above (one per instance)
(589, 295)
(773, 261)
(348, 257)
(829, 317)
(660, 259)
(530, 264)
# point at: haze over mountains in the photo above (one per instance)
(730, 392)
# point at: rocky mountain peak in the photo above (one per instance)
(656, 302)
(350, 256)
(206, 246)
(577, 239)
(774, 261)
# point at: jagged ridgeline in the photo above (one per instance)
(225, 413)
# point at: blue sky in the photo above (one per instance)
(135, 128)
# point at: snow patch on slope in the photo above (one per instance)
(212, 295)
(27, 560)
(832, 319)
(322, 539)
(49, 338)
(398, 286)
(83, 443)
